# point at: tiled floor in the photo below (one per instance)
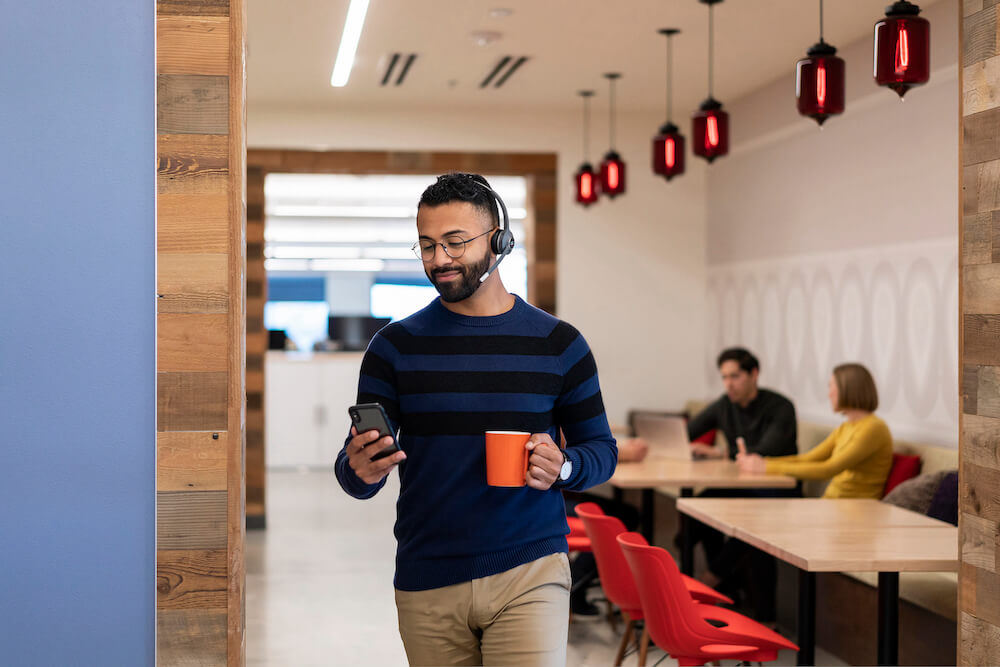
(319, 583)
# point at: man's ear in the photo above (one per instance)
(754, 375)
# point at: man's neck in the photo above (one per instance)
(750, 399)
(492, 298)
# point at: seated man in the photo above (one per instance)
(763, 422)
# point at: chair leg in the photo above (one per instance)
(620, 656)
(644, 646)
(612, 621)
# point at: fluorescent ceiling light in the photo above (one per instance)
(346, 265)
(340, 233)
(286, 265)
(324, 211)
(312, 252)
(389, 253)
(349, 43)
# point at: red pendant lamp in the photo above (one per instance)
(612, 167)
(819, 80)
(902, 48)
(586, 179)
(668, 144)
(710, 124)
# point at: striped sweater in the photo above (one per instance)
(444, 379)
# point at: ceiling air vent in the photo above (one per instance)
(399, 64)
(503, 70)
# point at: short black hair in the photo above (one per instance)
(741, 356)
(459, 186)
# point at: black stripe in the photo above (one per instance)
(376, 367)
(388, 70)
(406, 68)
(496, 70)
(586, 409)
(561, 336)
(513, 68)
(391, 407)
(582, 371)
(477, 382)
(474, 423)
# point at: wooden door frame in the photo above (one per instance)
(539, 169)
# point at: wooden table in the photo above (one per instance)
(836, 535)
(687, 474)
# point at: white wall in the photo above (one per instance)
(631, 271)
(841, 244)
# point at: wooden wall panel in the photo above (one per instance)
(256, 350)
(979, 298)
(201, 149)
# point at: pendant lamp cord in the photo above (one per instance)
(821, 21)
(612, 115)
(670, 59)
(711, 44)
(586, 128)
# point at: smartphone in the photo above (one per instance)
(372, 417)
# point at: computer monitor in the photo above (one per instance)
(354, 332)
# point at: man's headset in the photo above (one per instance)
(502, 240)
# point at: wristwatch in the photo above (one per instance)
(567, 467)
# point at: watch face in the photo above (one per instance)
(566, 470)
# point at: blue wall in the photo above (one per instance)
(77, 333)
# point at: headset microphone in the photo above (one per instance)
(503, 254)
(502, 241)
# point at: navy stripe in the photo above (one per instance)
(474, 423)
(517, 342)
(478, 362)
(474, 402)
(424, 382)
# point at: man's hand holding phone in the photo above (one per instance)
(360, 450)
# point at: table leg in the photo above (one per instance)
(687, 538)
(888, 618)
(646, 519)
(807, 618)
(618, 494)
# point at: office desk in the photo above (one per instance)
(820, 535)
(657, 471)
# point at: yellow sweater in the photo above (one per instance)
(856, 455)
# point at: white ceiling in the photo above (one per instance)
(570, 43)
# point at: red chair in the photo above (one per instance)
(616, 577)
(577, 538)
(692, 633)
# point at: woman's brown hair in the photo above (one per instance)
(855, 388)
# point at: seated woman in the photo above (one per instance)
(856, 457)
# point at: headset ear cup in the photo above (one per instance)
(502, 242)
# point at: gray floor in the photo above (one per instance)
(319, 583)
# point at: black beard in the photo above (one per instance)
(464, 287)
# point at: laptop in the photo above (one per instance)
(667, 435)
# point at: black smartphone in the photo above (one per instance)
(372, 417)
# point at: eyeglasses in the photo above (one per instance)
(453, 245)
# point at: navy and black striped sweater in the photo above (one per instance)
(445, 379)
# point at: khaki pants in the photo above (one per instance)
(517, 617)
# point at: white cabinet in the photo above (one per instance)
(306, 401)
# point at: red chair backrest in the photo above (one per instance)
(670, 614)
(616, 576)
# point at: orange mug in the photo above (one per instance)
(506, 457)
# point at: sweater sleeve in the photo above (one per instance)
(825, 460)
(579, 412)
(705, 421)
(779, 436)
(376, 384)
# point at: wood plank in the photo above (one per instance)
(192, 223)
(970, 389)
(980, 36)
(191, 401)
(979, 491)
(192, 8)
(979, 89)
(187, 45)
(190, 637)
(980, 436)
(981, 336)
(190, 520)
(970, 7)
(970, 190)
(192, 164)
(995, 237)
(981, 134)
(191, 579)
(192, 104)
(191, 461)
(987, 186)
(192, 283)
(979, 641)
(981, 285)
(978, 541)
(977, 238)
(988, 394)
(191, 342)
(988, 597)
